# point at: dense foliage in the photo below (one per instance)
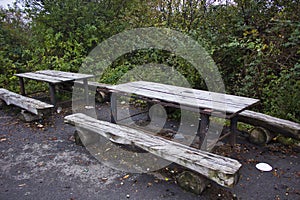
(255, 43)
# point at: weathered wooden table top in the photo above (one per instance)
(187, 97)
(53, 76)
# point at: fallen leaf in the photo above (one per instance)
(59, 109)
(104, 179)
(125, 177)
(72, 138)
(85, 170)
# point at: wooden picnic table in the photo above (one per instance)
(53, 78)
(205, 102)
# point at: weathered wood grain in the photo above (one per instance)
(194, 93)
(69, 75)
(53, 76)
(42, 77)
(187, 97)
(32, 105)
(93, 84)
(222, 170)
(276, 125)
(182, 100)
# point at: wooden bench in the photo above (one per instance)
(101, 89)
(32, 105)
(92, 85)
(222, 170)
(276, 125)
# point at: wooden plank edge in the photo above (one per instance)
(94, 84)
(227, 180)
(32, 105)
(276, 125)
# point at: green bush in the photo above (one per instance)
(281, 96)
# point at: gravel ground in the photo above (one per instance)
(39, 160)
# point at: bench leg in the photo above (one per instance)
(22, 86)
(113, 108)
(204, 124)
(148, 109)
(233, 130)
(86, 91)
(52, 93)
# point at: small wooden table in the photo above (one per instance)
(53, 77)
(205, 102)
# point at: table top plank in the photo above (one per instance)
(70, 75)
(53, 76)
(194, 93)
(182, 100)
(187, 96)
(42, 77)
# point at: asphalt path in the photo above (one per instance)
(39, 160)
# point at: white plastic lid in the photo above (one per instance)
(265, 167)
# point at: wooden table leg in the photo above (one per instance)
(22, 86)
(113, 108)
(148, 109)
(204, 124)
(52, 93)
(86, 91)
(233, 130)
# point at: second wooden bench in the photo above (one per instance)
(34, 106)
(274, 124)
(222, 170)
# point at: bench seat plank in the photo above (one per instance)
(32, 105)
(222, 170)
(276, 125)
(93, 84)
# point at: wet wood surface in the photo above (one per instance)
(222, 170)
(277, 125)
(187, 97)
(32, 105)
(53, 76)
